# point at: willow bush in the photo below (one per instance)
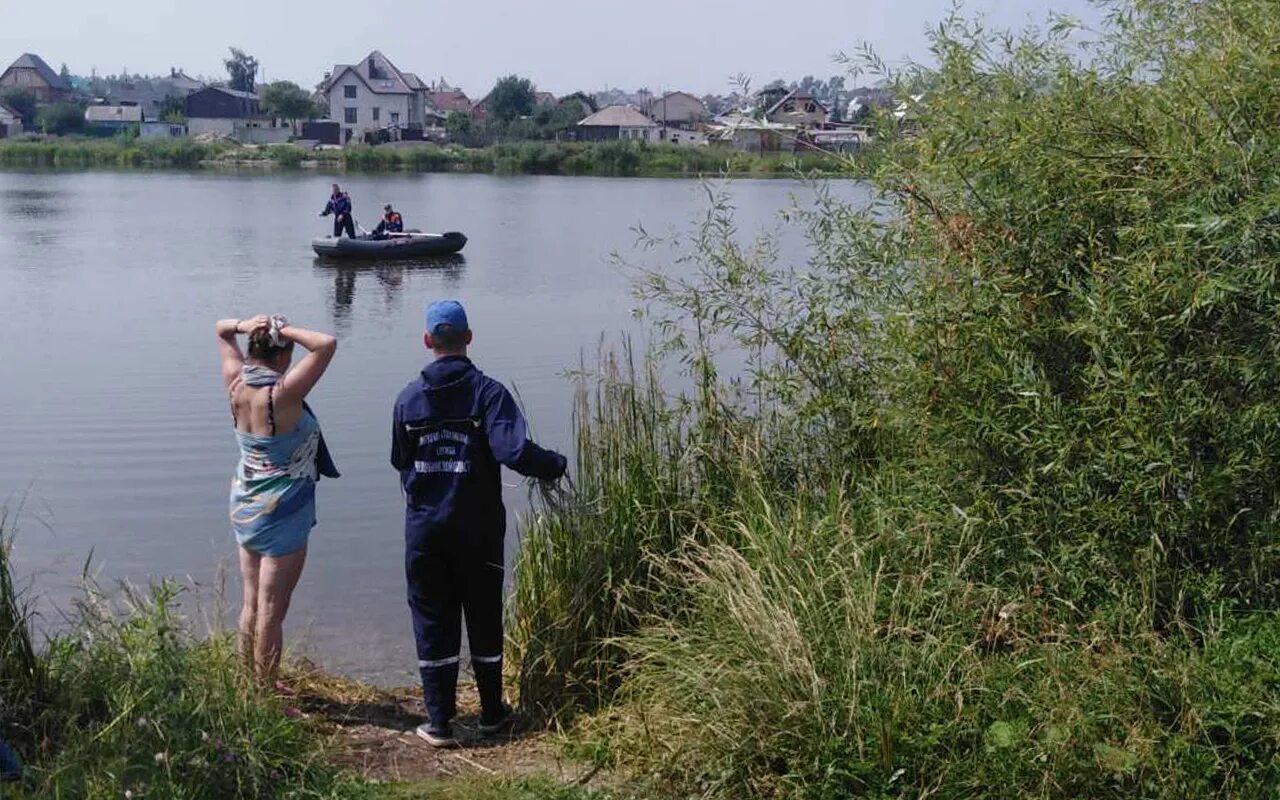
(993, 509)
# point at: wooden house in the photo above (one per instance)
(30, 72)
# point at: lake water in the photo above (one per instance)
(113, 422)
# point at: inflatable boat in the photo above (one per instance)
(411, 244)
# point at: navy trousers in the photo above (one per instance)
(341, 223)
(452, 572)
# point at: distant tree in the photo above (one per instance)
(242, 69)
(173, 109)
(65, 73)
(288, 100)
(459, 126)
(22, 101)
(60, 119)
(561, 117)
(512, 97)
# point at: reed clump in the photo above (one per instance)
(992, 510)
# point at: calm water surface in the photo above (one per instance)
(113, 422)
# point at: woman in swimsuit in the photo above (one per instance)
(282, 454)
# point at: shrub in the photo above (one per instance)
(993, 508)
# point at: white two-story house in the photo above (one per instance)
(372, 95)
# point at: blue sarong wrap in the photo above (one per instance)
(273, 493)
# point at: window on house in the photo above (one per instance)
(377, 113)
(349, 92)
(395, 118)
(349, 116)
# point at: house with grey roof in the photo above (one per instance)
(31, 73)
(679, 110)
(617, 122)
(374, 94)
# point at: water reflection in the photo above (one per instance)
(31, 203)
(389, 275)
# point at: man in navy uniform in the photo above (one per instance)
(339, 206)
(452, 428)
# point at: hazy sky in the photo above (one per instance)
(563, 45)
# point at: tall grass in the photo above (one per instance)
(126, 702)
(636, 498)
(107, 153)
(994, 510)
(24, 681)
(607, 159)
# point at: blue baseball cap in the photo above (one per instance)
(446, 312)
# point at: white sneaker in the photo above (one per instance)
(436, 738)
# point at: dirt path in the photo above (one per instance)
(374, 736)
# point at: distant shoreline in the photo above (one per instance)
(606, 159)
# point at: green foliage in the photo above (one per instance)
(242, 70)
(287, 100)
(124, 702)
(173, 110)
(24, 679)
(22, 101)
(512, 97)
(459, 126)
(109, 153)
(615, 159)
(993, 509)
(60, 118)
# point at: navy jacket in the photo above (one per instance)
(338, 204)
(451, 429)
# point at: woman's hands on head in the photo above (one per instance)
(250, 326)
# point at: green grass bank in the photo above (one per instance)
(126, 702)
(609, 159)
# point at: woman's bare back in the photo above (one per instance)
(255, 407)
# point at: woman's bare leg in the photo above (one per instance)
(276, 581)
(250, 564)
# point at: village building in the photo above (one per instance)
(10, 122)
(799, 108)
(750, 135)
(449, 101)
(216, 111)
(679, 110)
(155, 96)
(374, 95)
(113, 119)
(617, 122)
(31, 73)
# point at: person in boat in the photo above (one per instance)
(282, 455)
(391, 222)
(452, 428)
(339, 206)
